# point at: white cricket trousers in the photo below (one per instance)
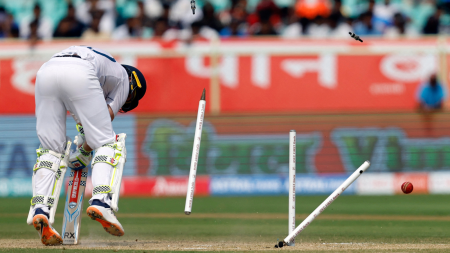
(70, 84)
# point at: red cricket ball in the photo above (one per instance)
(407, 187)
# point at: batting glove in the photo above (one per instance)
(79, 159)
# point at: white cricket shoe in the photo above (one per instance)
(49, 235)
(107, 218)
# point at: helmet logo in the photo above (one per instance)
(137, 79)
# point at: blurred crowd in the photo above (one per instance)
(173, 19)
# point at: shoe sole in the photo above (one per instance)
(109, 227)
(48, 236)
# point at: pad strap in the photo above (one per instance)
(101, 189)
(41, 151)
(41, 199)
(58, 155)
(106, 159)
(109, 146)
(46, 164)
(117, 146)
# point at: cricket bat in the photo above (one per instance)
(74, 206)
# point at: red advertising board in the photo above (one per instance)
(254, 75)
(163, 186)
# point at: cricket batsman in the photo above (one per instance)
(93, 87)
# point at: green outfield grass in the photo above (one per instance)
(409, 219)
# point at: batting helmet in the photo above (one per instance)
(137, 88)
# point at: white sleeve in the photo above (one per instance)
(118, 96)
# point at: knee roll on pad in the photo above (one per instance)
(59, 169)
(117, 162)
